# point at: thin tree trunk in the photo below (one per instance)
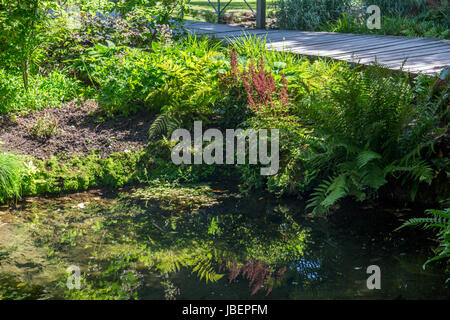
(25, 74)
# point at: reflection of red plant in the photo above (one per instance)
(258, 274)
(259, 85)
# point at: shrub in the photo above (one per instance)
(309, 14)
(23, 26)
(126, 80)
(416, 26)
(49, 91)
(131, 29)
(190, 71)
(407, 7)
(413, 18)
(246, 90)
(176, 78)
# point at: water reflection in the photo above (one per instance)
(198, 243)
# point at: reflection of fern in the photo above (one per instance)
(206, 271)
(441, 220)
(164, 124)
(172, 261)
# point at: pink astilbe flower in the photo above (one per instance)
(255, 83)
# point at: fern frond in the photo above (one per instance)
(337, 190)
(365, 157)
(163, 124)
(327, 194)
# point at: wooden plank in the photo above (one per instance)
(395, 50)
(442, 59)
(390, 49)
(409, 56)
(242, 34)
(345, 45)
(425, 55)
(219, 28)
(312, 43)
(303, 37)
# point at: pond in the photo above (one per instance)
(202, 242)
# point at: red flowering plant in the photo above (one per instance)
(261, 89)
(264, 102)
(249, 91)
(259, 85)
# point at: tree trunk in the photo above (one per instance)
(25, 74)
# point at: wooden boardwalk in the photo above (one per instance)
(424, 55)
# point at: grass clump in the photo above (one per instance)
(11, 170)
(45, 127)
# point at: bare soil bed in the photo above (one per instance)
(80, 130)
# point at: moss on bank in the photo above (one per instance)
(57, 175)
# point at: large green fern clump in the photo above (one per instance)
(11, 169)
(374, 128)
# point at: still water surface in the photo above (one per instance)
(202, 243)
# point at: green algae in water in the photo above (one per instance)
(194, 242)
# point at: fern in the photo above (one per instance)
(414, 172)
(320, 195)
(353, 178)
(337, 190)
(440, 219)
(164, 124)
(365, 157)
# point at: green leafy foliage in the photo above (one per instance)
(372, 133)
(53, 176)
(309, 14)
(22, 24)
(43, 92)
(413, 18)
(163, 124)
(440, 221)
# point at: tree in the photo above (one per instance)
(23, 25)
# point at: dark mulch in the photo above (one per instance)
(81, 131)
